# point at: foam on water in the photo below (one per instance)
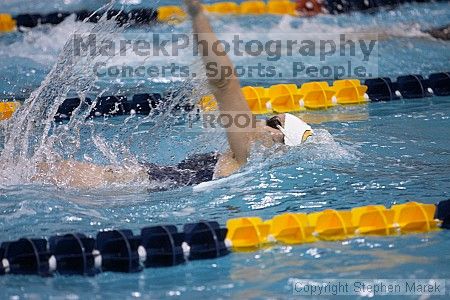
(44, 43)
(320, 150)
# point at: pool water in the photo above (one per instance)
(380, 153)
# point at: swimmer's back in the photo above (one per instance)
(193, 170)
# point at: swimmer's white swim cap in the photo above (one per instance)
(295, 130)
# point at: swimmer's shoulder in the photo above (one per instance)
(226, 165)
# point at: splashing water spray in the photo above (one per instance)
(32, 136)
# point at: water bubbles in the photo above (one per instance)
(314, 252)
(73, 219)
(174, 293)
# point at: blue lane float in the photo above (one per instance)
(33, 20)
(143, 16)
(119, 250)
(413, 86)
(148, 15)
(26, 256)
(408, 87)
(117, 105)
(109, 105)
(114, 251)
(143, 103)
(4, 263)
(74, 254)
(348, 6)
(443, 213)
(163, 246)
(66, 109)
(206, 240)
(379, 89)
(440, 83)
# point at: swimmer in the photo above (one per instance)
(284, 128)
(442, 33)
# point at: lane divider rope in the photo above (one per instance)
(163, 245)
(143, 16)
(279, 98)
(319, 95)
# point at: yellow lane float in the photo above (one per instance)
(174, 14)
(7, 109)
(350, 91)
(208, 103)
(257, 99)
(331, 225)
(223, 8)
(171, 14)
(317, 95)
(253, 8)
(284, 98)
(415, 217)
(281, 7)
(247, 233)
(291, 228)
(374, 219)
(7, 23)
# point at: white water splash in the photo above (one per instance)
(31, 135)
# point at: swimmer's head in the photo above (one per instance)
(288, 129)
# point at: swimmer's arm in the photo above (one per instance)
(227, 90)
